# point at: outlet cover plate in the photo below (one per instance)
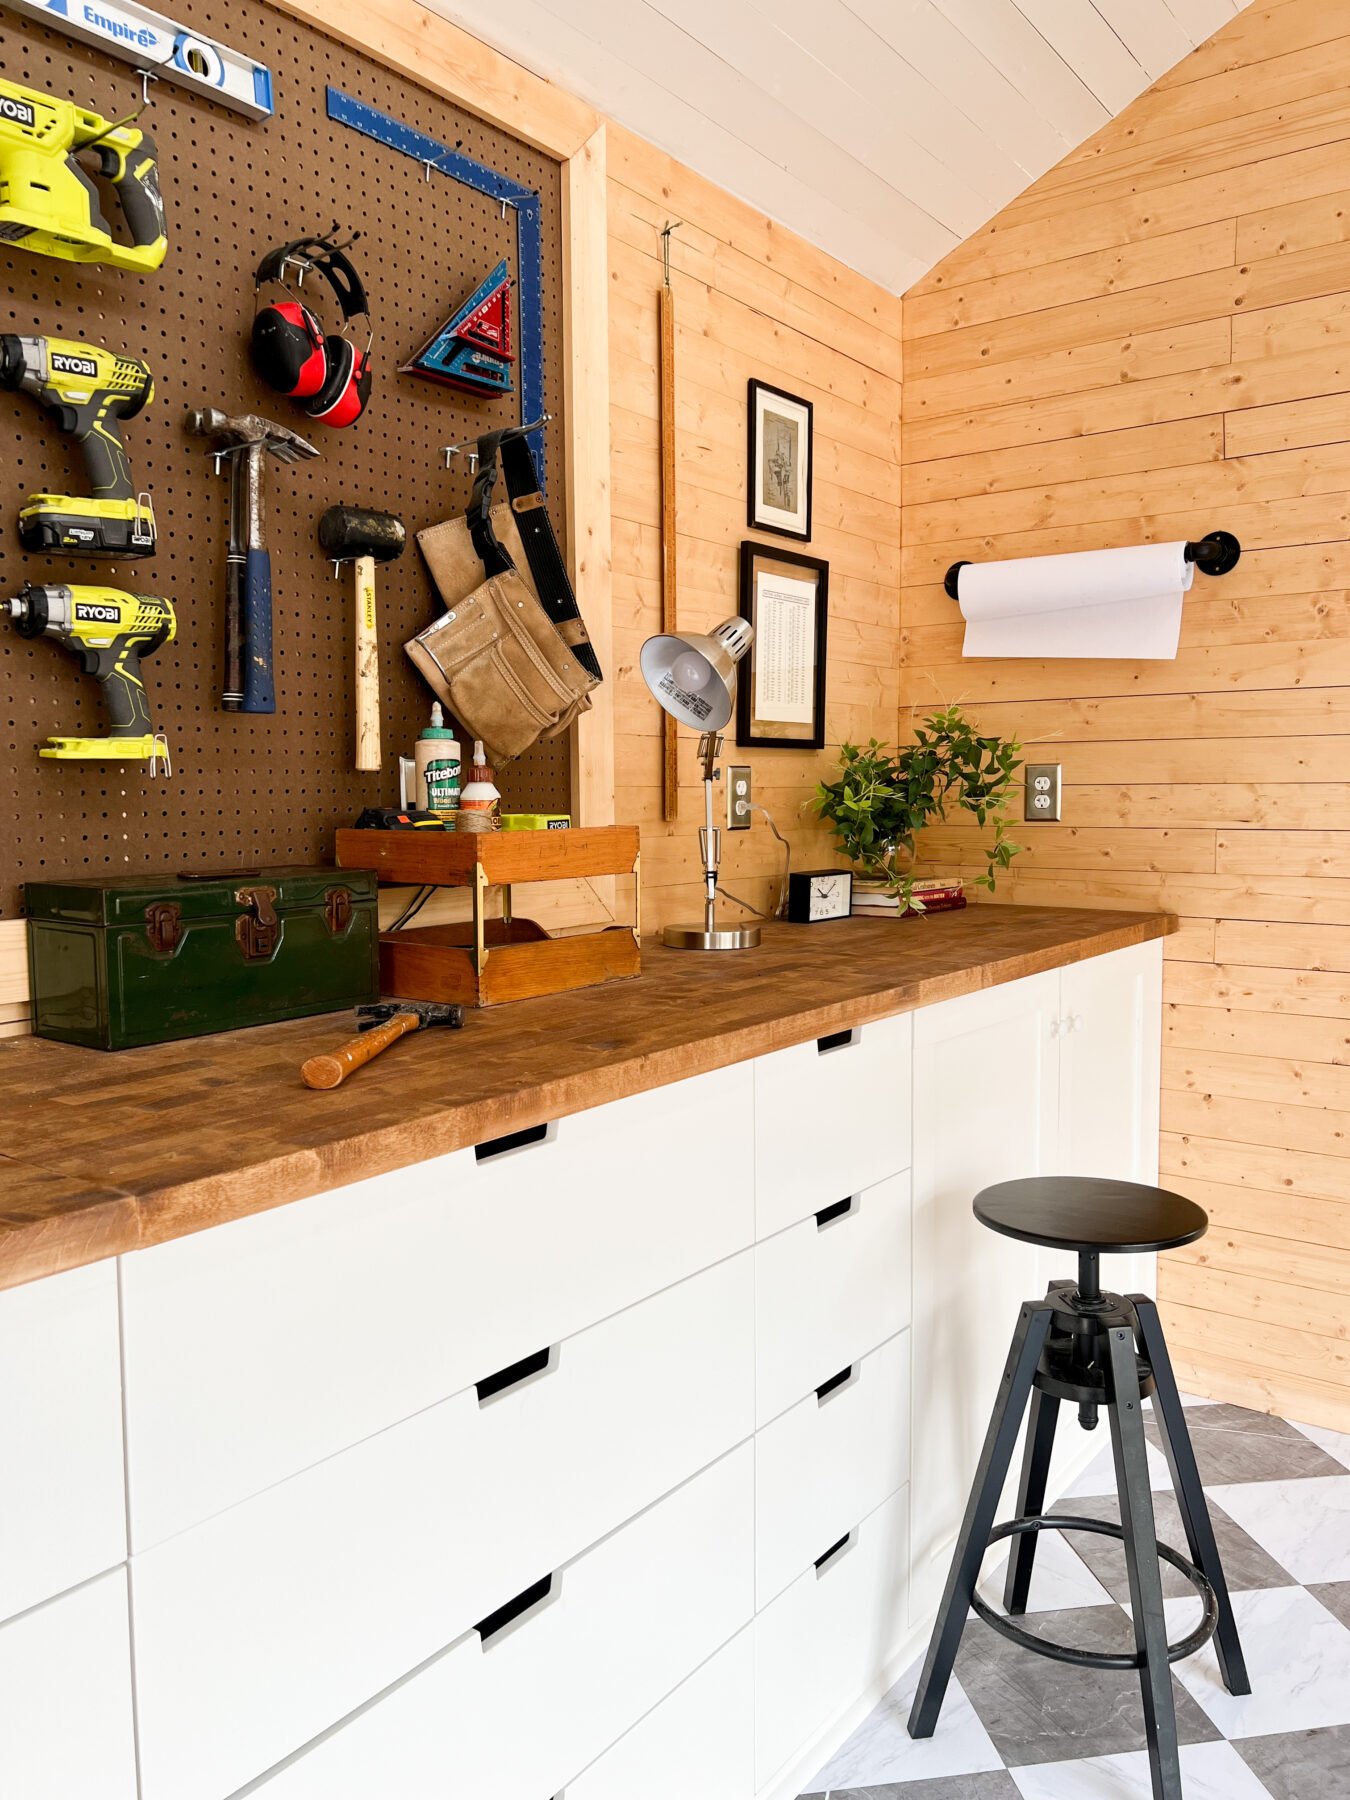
(1042, 792)
(740, 797)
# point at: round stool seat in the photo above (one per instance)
(1088, 1214)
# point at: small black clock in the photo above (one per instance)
(816, 894)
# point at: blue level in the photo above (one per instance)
(529, 245)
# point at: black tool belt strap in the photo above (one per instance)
(551, 580)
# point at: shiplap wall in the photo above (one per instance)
(751, 299)
(1154, 340)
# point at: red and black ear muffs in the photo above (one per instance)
(325, 373)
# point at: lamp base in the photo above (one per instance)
(718, 937)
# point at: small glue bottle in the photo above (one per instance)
(478, 802)
(437, 756)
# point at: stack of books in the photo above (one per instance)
(939, 893)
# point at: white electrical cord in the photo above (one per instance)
(781, 905)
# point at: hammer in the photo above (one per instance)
(363, 537)
(378, 1026)
(248, 567)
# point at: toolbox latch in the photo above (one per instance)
(337, 909)
(256, 930)
(163, 926)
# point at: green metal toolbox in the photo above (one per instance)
(143, 959)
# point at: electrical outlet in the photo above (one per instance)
(1042, 791)
(739, 797)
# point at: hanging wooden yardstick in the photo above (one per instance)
(670, 764)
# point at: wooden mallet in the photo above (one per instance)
(363, 537)
(378, 1026)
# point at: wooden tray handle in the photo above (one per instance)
(330, 1070)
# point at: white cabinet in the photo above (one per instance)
(256, 1349)
(66, 1729)
(62, 1508)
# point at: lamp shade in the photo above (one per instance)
(693, 675)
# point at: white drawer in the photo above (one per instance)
(698, 1744)
(65, 1698)
(518, 1716)
(828, 1290)
(829, 1635)
(827, 1462)
(62, 1506)
(257, 1349)
(830, 1118)
(269, 1623)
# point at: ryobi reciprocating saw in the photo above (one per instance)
(88, 391)
(48, 202)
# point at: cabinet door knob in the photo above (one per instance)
(538, 1362)
(833, 1385)
(840, 1210)
(834, 1553)
(513, 1140)
(496, 1622)
(838, 1040)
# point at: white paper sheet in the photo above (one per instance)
(1092, 603)
(785, 649)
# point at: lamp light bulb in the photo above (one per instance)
(691, 671)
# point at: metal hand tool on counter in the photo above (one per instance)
(378, 1026)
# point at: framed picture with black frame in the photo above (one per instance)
(780, 693)
(781, 461)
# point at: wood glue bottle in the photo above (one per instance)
(437, 756)
(478, 802)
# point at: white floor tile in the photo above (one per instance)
(881, 1750)
(1100, 1475)
(1059, 1578)
(1335, 1443)
(1305, 1525)
(1298, 1658)
(1208, 1771)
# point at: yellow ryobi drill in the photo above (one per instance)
(110, 632)
(47, 201)
(88, 390)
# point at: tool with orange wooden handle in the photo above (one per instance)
(378, 1026)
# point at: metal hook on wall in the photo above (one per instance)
(667, 228)
(470, 445)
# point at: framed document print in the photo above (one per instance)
(780, 696)
(780, 461)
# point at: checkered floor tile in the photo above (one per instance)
(1017, 1727)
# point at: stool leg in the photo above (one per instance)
(1199, 1528)
(1030, 1498)
(973, 1539)
(1130, 1448)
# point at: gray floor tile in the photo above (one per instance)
(1233, 1444)
(1039, 1711)
(996, 1785)
(1301, 1765)
(1335, 1596)
(1245, 1563)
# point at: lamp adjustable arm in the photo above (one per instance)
(710, 837)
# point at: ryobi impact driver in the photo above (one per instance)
(110, 632)
(88, 390)
(49, 204)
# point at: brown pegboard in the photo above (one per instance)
(250, 789)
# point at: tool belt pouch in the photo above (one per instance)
(502, 667)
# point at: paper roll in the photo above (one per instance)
(1092, 603)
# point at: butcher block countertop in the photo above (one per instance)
(107, 1153)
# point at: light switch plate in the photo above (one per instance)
(740, 797)
(1042, 792)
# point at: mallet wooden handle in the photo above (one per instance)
(329, 1071)
(367, 669)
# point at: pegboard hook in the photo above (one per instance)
(470, 445)
(147, 76)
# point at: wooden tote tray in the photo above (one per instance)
(482, 961)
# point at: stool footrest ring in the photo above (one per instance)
(1097, 1659)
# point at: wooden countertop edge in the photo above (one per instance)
(115, 1222)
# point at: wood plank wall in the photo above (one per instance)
(1154, 340)
(751, 299)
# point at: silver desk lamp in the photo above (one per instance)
(693, 676)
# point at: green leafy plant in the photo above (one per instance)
(882, 799)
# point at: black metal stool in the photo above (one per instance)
(1080, 1344)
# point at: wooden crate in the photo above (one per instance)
(483, 961)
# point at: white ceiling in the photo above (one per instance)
(883, 130)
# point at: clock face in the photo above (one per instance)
(829, 896)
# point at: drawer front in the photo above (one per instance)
(802, 1160)
(259, 1348)
(827, 1291)
(266, 1625)
(62, 1505)
(827, 1637)
(66, 1729)
(827, 1462)
(698, 1744)
(519, 1715)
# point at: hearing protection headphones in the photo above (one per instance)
(325, 373)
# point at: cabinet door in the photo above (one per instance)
(986, 1072)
